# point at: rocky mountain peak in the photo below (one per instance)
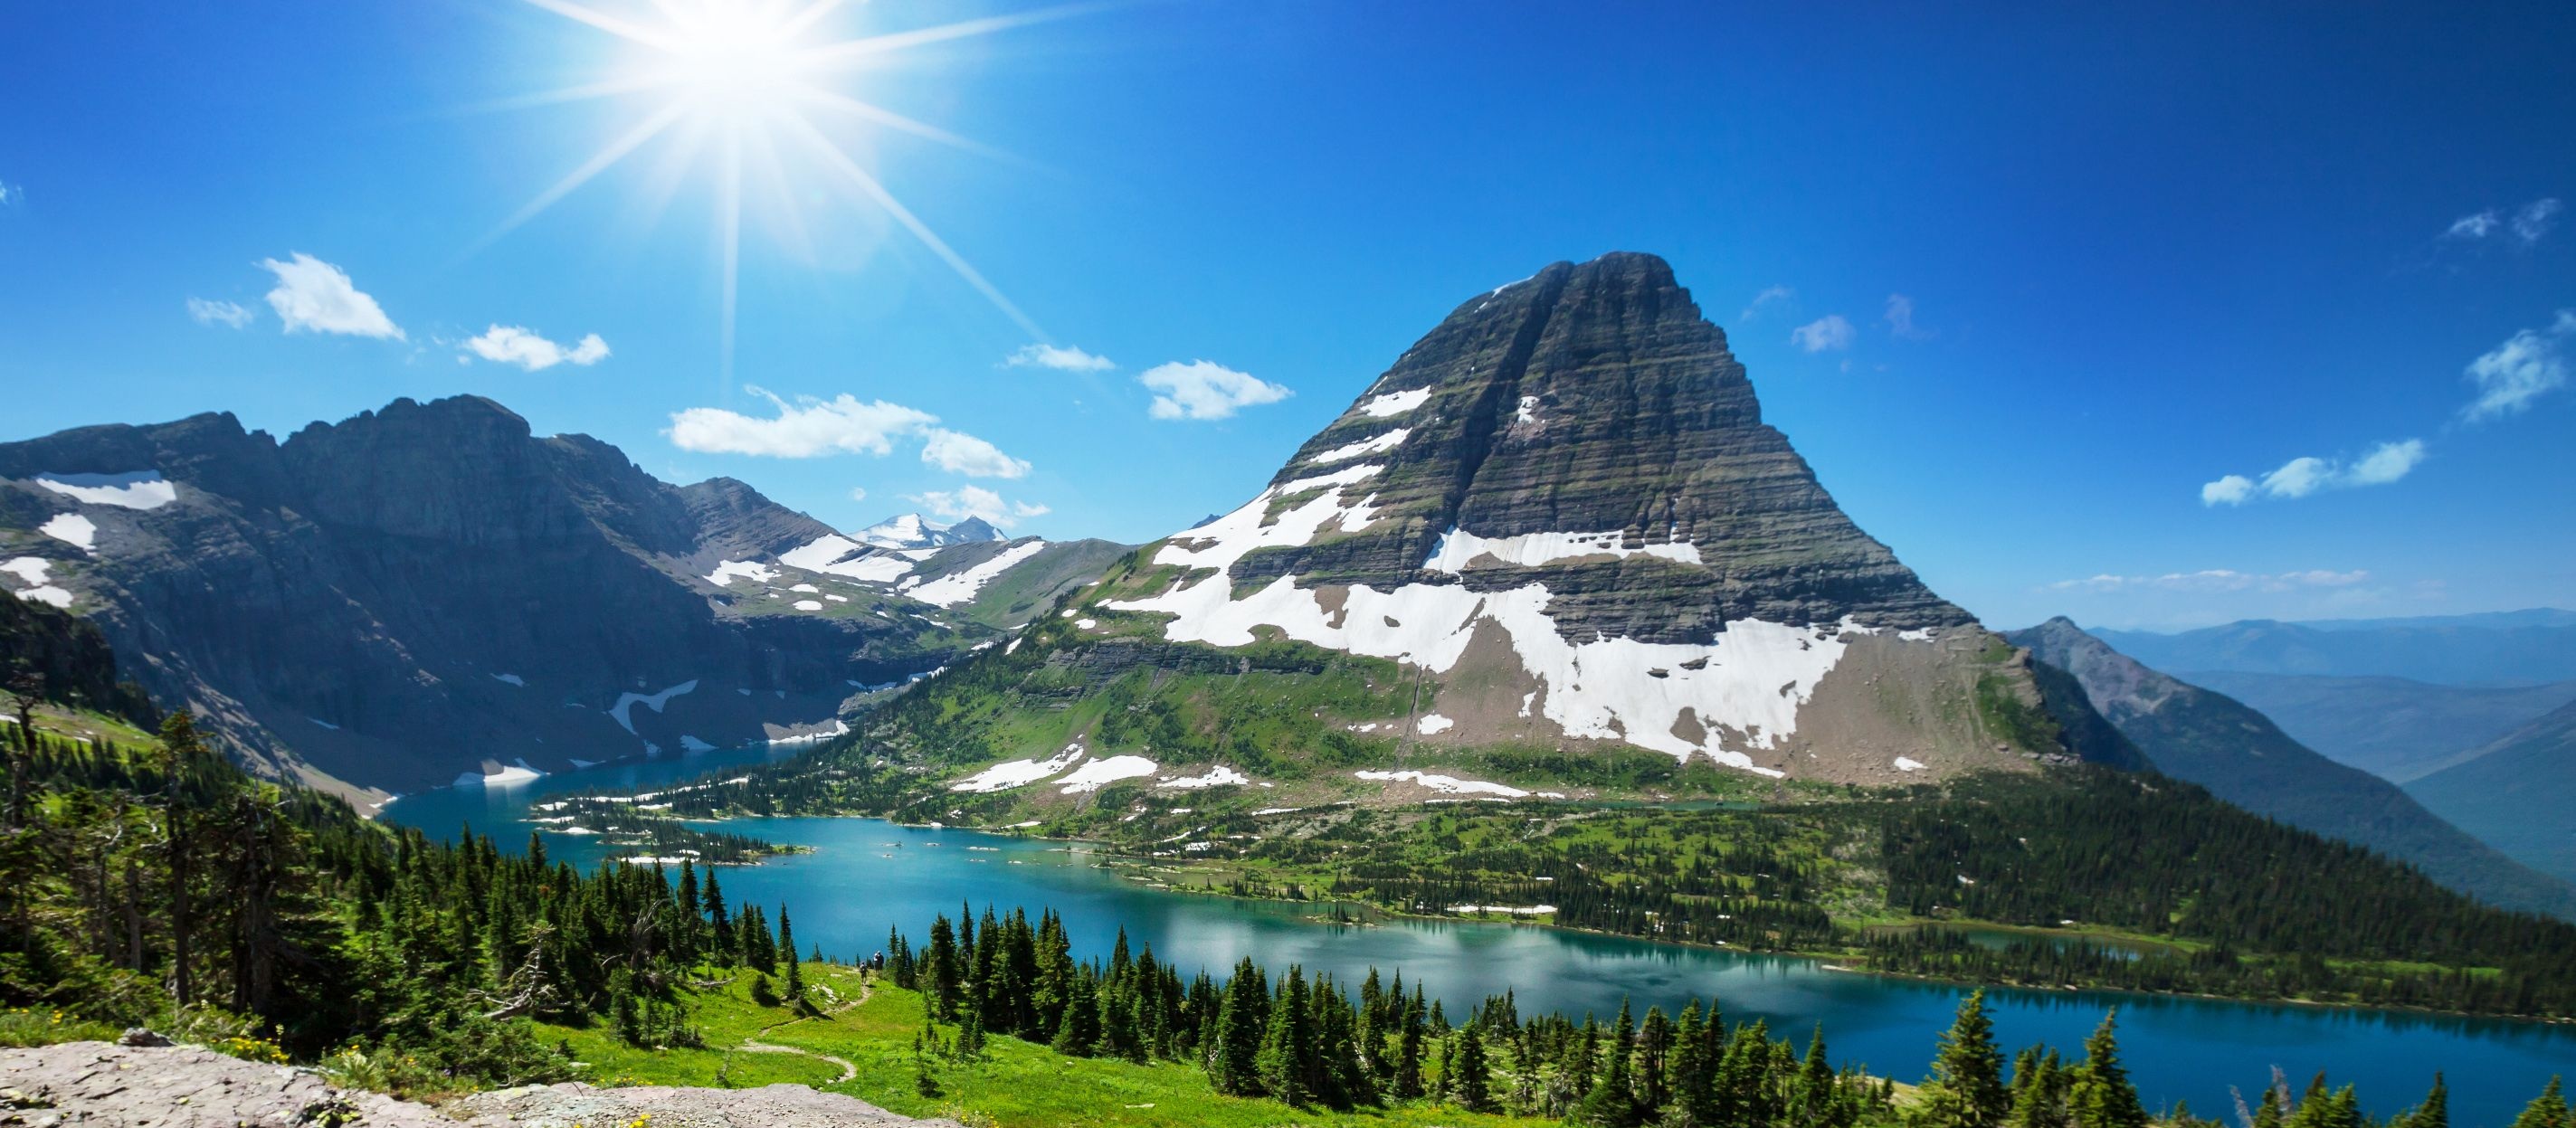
(912, 530)
(1594, 401)
(1563, 501)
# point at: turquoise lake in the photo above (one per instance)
(866, 876)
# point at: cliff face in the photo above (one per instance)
(430, 590)
(1595, 401)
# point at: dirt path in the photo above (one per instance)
(849, 1069)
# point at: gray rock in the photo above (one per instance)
(112, 1086)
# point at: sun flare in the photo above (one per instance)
(748, 86)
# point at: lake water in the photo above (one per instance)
(867, 876)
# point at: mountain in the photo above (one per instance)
(2215, 741)
(2516, 793)
(431, 591)
(2506, 649)
(2395, 728)
(912, 530)
(1557, 527)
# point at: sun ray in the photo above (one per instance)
(627, 30)
(852, 50)
(892, 120)
(840, 162)
(613, 152)
(740, 73)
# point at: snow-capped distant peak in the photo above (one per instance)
(912, 530)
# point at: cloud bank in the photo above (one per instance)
(514, 344)
(313, 296)
(1205, 390)
(231, 315)
(1831, 331)
(1064, 359)
(2527, 365)
(2300, 477)
(975, 501)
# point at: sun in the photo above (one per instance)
(740, 82)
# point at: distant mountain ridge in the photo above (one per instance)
(912, 530)
(2397, 729)
(2505, 648)
(430, 591)
(2242, 757)
(2518, 793)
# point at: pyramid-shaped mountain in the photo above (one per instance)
(1557, 523)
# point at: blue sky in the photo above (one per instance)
(2141, 255)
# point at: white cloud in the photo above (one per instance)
(315, 296)
(976, 501)
(2533, 220)
(2473, 227)
(1065, 359)
(2526, 225)
(231, 314)
(2527, 365)
(11, 193)
(2385, 463)
(858, 493)
(2218, 579)
(1900, 319)
(1828, 332)
(1770, 296)
(2300, 477)
(2230, 490)
(513, 344)
(1206, 390)
(960, 453)
(804, 429)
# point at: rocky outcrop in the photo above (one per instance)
(117, 1086)
(2242, 757)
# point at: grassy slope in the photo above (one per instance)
(1016, 1085)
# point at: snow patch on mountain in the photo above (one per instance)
(626, 702)
(33, 570)
(1019, 773)
(958, 587)
(1746, 688)
(1378, 445)
(1446, 785)
(1458, 548)
(134, 489)
(841, 556)
(72, 529)
(729, 571)
(1395, 403)
(1100, 773)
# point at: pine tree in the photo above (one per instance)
(1287, 1059)
(2548, 1110)
(2435, 1112)
(1078, 1034)
(944, 970)
(2102, 1095)
(1408, 1050)
(1469, 1087)
(1612, 1103)
(1966, 1089)
(787, 944)
(1241, 1021)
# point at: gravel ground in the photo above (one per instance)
(115, 1086)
